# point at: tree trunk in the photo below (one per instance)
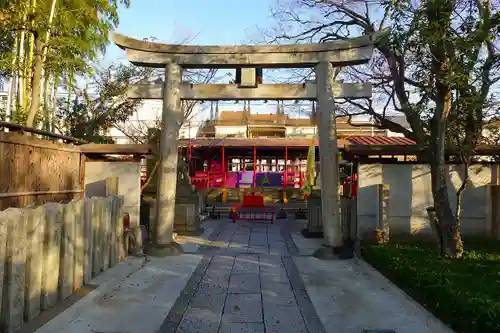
(448, 228)
(36, 83)
(447, 223)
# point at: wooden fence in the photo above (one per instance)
(36, 171)
(50, 251)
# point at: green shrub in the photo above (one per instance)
(464, 293)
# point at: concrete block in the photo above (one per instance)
(3, 244)
(51, 254)
(244, 283)
(79, 261)
(106, 232)
(258, 249)
(244, 308)
(277, 294)
(35, 230)
(113, 257)
(284, 319)
(120, 239)
(88, 240)
(241, 328)
(14, 279)
(186, 217)
(67, 259)
(209, 296)
(97, 213)
(198, 320)
(278, 248)
(258, 239)
(246, 264)
(273, 273)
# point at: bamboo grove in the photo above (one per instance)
(45, 44)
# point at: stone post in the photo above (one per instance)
(35, 220)
(51, 254)
(328, 153)
(66, 264)
(14, 281)
(383, 211)
(167, 170)
(88, 239)
(79, 244)
(97, 221)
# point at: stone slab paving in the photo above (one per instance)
(246, 282)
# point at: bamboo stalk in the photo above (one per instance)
(55, 84)
(21, 69)
(39, 70)
(46, 101)
(47, 36)
(29, 67)
(12, 83)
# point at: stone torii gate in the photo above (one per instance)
(323, 57)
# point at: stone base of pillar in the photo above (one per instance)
(169, 250)
(312, 234)
(334, 253)
(199, 231)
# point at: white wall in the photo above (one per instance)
(307, 131)
(392, 134)
(129, 183)
(237, 131)
(147, 116)
(410, 195)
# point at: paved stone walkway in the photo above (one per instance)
(246, 282)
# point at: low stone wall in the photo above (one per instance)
(50, 251)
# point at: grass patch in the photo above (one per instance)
(464, 294)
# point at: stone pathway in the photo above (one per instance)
(246, 282)
(245, 278)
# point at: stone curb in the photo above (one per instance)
(432, 321)
(106, 282)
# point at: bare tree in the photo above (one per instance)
(139, 131)
(436, 63)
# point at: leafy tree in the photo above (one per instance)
(436, 62)
(52, 38)
(103, 104)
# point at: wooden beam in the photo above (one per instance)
(346, 57)
(209, 92)
(116, 149)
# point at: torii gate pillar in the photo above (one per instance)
(329, 166)
(163, 243)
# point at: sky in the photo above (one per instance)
(221, 22)
(204, 22)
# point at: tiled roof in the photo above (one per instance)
(379, 140)
(250, 142)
